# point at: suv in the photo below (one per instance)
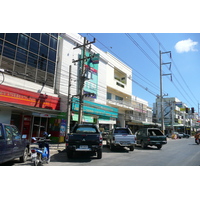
(12, 144)
(151, 137)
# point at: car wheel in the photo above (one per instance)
(131, 148)
(24, 157)
(143, 145)
(111, 146)
(99, 154)
(159, 146)
(69, 154)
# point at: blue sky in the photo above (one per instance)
(140, 51)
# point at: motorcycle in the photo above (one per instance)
(40, 155)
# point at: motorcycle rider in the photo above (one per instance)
(197, 137)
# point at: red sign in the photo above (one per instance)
(24, 97)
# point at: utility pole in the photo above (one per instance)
(161, 92)
(82, 77)
(69, 102)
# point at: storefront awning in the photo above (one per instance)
(29, 109)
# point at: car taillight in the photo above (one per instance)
(148, 139)
(67, 137)
(33, 151)
(100, 137)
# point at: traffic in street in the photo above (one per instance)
(177, 152)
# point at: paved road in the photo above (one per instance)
(180, 152)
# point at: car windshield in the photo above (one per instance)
(85, 130)
(155, 133)
(121, 131)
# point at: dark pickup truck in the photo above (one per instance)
(12, 144)
(84, 138)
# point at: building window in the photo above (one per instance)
(30, 53)
(118, 98)
(34, 46)
(109, 95)
(45, 38)
(9, 50)
(43, 51)
(53, 43)
(21, 55)
(23, 41)
(12, 37)
(36, 36)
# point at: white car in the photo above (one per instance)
(180, 135)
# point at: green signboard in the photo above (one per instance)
(94, 108)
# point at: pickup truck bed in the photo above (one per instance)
(121, 137)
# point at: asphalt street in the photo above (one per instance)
(179, 152)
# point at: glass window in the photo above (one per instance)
(51, 67)
(55, 34)
(16, 133)
(12, 37)
(109, 96)
(53, 43)
(21, 55)
(42, 63)
(52, 55)
(45, 38)
(2, 35)
(1, 134)
(36, 36)
(8, 131)
(118, 98)
(1, 44)
(23, 41)
(43, 50)
(32, 60)
(9, 50)
(34, 46)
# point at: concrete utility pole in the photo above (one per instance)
(69, 102)
(161, 92)
(82, 77)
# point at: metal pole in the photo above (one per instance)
(161, 95)
(69, 102)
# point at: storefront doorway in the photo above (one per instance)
(38, 123)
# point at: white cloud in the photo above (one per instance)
(185, 46)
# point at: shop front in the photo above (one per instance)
(29, 111)
(104, 116)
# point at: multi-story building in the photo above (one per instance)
(27, 80)
(177, 115)
(111, 82)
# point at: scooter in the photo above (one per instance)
(40, 155)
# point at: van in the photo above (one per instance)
(150, 137)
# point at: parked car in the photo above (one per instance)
(150, 137)
(12, 144)
(180, 135)
(185, 135)
(120, 137)
(84, 138)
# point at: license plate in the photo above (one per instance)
(34, 155)
(83, 146)
(124, 143)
